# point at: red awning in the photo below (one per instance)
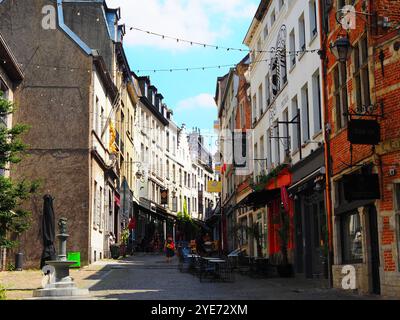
(283, 179)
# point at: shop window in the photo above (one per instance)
(352, 234)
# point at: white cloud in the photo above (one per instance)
(185, 19)
(202, 101)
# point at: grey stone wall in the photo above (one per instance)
(55, 100)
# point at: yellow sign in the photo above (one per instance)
(113, 135)
(217, 169)
(214, 186)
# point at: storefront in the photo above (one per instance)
(311, 234)
(355, 233)
(153, 225)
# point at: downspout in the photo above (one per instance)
(327, 154)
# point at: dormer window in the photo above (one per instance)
(146, 89)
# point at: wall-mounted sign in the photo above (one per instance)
(214, 186)
(364, 132)
(361, 187)
(164, 196)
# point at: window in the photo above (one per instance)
(277, 147)
(295, 129)
(168, 170)
(97, 204)
(302, 33)
(305, 114)
(292, 44)
(361, 74)
(4, 90)
(269, 148)
(267, 90)
(266, 31)
(273, 17)
(101, 208)
(260, 99)
(340, 94)
(317, 108)
(243, 231)
(97, 115)
(285, 133)
(352, 234)
(254, 101)
(256, 157)
(167, 141)
(262, 154)
(281, 4)
(259, 48)
(313, 18)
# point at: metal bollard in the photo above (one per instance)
(19, 261)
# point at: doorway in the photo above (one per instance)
(374, 245)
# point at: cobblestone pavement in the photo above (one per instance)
(149, 277)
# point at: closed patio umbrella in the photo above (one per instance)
(48, 231)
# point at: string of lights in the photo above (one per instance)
(206, 45)
(198, 68)
(194, 42)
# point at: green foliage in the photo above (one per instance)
(13, 219)
(265, 179)
(125, 236)
(3, 292)
(10, 267)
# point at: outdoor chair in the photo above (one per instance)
(244, 266)
(206, 271)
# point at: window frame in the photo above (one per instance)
(343, 239)
(361, 73)
(341, 95)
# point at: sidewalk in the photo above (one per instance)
(21, 284)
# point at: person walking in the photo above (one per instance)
(169, 248)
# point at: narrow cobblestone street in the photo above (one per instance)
(149, 277)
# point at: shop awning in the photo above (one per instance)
(271, 190)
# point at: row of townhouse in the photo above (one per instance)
(309, 86)
(102, 143)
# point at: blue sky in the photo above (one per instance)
(223, 22)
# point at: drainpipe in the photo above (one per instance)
(327, 153)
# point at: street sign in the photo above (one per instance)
(364, 132)
(361, 187)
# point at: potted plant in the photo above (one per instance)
(124, 241)
(285, 269)
(115, 251)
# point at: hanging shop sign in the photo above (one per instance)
(364, 132)
(164, 196)
(361, 187)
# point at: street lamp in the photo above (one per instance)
(341, 49)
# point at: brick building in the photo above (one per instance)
(366, 232)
